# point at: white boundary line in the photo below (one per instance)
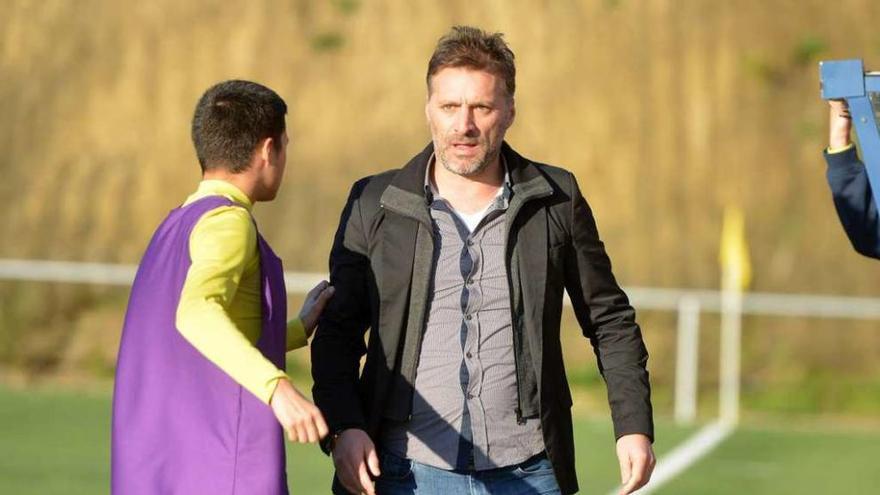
(685, 455)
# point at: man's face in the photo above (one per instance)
(468, 112)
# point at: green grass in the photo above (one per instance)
(758, 461)
(58, 442)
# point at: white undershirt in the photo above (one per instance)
(474, 219)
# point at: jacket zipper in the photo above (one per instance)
(517, 345)
(418, 353)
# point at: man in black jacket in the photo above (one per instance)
(457, 262)
(848, 180)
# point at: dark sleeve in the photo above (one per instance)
(608, 320)
(854, 201)
(338, 344)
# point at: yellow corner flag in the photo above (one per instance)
(736, 269)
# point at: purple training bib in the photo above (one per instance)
(180, 424)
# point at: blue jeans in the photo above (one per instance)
(406, 477)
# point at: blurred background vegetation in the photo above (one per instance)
(666, 111)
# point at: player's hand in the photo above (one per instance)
(314, 304)
(300, 418)
(840, 124)
(354, 456)
(637, 461)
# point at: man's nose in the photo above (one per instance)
(464, 121)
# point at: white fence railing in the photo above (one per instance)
(687, 303)
(755, 303)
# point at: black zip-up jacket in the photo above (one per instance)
(380, 266)
(854, 201)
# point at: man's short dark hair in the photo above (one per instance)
(231, 119)
(465, 46)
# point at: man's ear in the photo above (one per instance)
(512, 113)
(266, 147)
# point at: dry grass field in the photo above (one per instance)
(666, 111)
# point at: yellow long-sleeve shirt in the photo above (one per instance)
(839, 150)
(220, 310)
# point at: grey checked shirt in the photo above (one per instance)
(465, 401)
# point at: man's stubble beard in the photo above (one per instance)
(471, 169)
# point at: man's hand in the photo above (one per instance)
(840, 124)
(637, 461)
(354, 456)
(314, 304)
(300, 418)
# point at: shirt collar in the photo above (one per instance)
(212, 187)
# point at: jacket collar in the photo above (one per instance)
(406, 193)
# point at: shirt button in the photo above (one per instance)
(470, 281)
(468, 317)
(470, 396)
(470, 242)
(469, 355)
